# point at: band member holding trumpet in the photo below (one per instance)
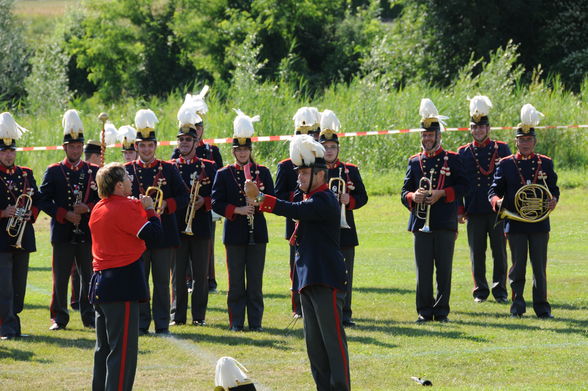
(319, 263)
(345, 181)
(69, 193)
(245, 231)
(19, 208)
(306, 121)
(194, 223)
(480, 158)
(525, 191)
(161, 181)
(433, 219)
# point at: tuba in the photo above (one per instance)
(191, 211)
(337, 185)
(156, 193)
(18, 223)
(531, 203)
(422, 210)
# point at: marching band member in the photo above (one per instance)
(526, 237)
(19, 208)
(120, 228)
(145, 172)
(69, 193)
(306, 121)
(92, 152)
(435, 233)
(319, 262)
(127, 135)
(480, 158)
(354, 197)
(245, 231)
(193, 253)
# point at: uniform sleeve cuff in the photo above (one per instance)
(268, 204)
(449, 194)
(208, 203)
(60, 215)
(230, 212)
(351, 204)
(171, 205)
(151, 213)
(409, 199)
(460, 210)
(34, 213)
(493, 202)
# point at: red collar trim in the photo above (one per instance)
(323, 187)
(7, 170)
(142, 164)
(182, 160)
(73, 166)
(437, 152)
(518, 156)
(201, 143)
(239, 167)
(482, 144)
(335, 164)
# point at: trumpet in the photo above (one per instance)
(18, 223)
(423, 211)
(531, 203)
(78, 234)
(337, 185)
(156, 193)
(191, 210)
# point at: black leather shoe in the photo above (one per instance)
(546, 315)
(7, 337)
(441, 319)
(518, 316)
(143, 331)
(423, 319)
(176, 323)
(91, 326)
(256, 328)
(348, 323)
(236, 328)
(56, 326)
(162, 331)
(479, 299)
(502, 300)
(199, 323)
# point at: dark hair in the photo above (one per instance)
(107, 178)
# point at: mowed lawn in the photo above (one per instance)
(481, 347)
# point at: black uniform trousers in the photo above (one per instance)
(245, 265)
(327, 351)
(433, 253)
(480, 229)
(535, 245)
(14, 267)
(117, 342)
(64, 256)
(295, 295)
(212, 284)
(159, 261)
(193, 252)
(349, 258)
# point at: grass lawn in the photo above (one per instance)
(481, 348)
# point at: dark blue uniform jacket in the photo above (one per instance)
(287, 188)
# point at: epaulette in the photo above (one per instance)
(349, 164)
(25, 168)
(207, 161)
(451, 153)
(500, 142)
(463, 146)
(129, 163)
(413, 156)
(506, 157)
(54, 165)
(92, 165)
(544, 156)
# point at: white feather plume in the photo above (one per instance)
(197, 101)
(145, 118)
(9, 128)
(127, 132)
(329, 121)
(428, 110)
(110, 133)
(304, 150)
(306, 118)
(72, 122)
(187, 115)
(243, 125)
(480, 106)
(530, 116)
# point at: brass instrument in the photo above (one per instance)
(156, 193)
(339, 188)
(78, 237)
(423, 210)
(18, 223)
(191, 210)
(531, 203)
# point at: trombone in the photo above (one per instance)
(338, 186)
(423, 211)
(156, 193)
(191, 210)
(18, 223)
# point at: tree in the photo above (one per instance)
(14, 65)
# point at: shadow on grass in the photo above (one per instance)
(369, 341)
(384, 291)
(569, 307)
(77, 342)
(21, 355)
(39, 268)
(237, 338)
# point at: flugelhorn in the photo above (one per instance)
(531, 203)
(191, 210)
(338, 186)
(156, 193)
(423, 210)
(18, 223)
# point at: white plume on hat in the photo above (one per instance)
(145, 119)
(71, 122)
(243, 125)
(187, 115)
(9, 128)
(428, 111)
(230, 373)
(530, 117)
(127, 133)
(306, 118)
(110, 133)
(480, 106)
(197, 101)
(329, 121)
(304, 150)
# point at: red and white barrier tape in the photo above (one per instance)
(229, 140)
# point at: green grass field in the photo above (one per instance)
(481, 348)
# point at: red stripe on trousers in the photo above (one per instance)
(339, 337)
(123, 357)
